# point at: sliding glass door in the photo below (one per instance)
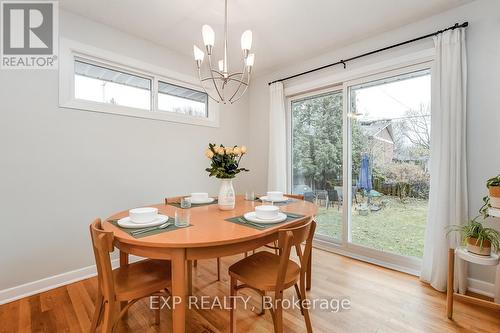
(316, 157)
(390, 134)
(365, 164)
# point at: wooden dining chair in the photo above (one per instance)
(268, 272)
(274, 246)
(195, 262)
(127, 283)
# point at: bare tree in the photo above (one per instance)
(417, 127)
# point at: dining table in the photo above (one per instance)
(209, 235)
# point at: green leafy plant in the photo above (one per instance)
(475, 229)
(494, 181)
(225, 160)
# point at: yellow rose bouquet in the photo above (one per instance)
(225, 160)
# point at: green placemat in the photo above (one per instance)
(241, 221)
(284, 203)
(129, 231)
(178, 205)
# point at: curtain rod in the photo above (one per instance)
(343, 62)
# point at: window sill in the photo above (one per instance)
(82, 105)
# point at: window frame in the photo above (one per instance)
(71, 51)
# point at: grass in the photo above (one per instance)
(398, 227)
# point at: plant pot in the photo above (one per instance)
(494, 196)
(226, 199)
(476, 249)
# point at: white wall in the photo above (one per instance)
(483, 52)
(61, 168)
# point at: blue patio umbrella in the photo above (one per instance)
(365, 174)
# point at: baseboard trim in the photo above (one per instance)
(55, 281)
(481, 287)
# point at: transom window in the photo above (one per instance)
(97, 80)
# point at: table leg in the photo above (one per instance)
(179, 290)
(449, 291)
(123, 262)
(189, 272)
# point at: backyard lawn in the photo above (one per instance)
(398, 227)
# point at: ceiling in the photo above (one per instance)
(284, 31)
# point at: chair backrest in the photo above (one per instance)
(173, 200)
(102, 243)
(295, 237)
(340, 193)
(295, 196)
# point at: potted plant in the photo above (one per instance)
(478, 239)
(225, 163)
(493, 185)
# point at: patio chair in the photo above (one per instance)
(309, 196)
(340, 195)
(322, 196)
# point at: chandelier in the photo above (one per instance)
(226, 87)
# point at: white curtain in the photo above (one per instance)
(448, 191)
(276, 176)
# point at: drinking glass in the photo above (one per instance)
(182, 217)
(185, 203)
(250, 195)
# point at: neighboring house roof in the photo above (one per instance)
(374, 128)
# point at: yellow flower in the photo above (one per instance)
(243, 149)
(220, 151)
(209, 153)
(229, 150)
(237, 151)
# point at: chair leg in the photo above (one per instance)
(309, 273)
(97, 312)
(232, 295)
(218, 269)
(157, 316)
(278, 314)
(297, 291)
(108, 323)
(305, 310)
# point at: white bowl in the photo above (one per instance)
(275, 195)
(266, 212)
(143, 215)
(199, 196)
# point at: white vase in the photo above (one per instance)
(226, 198)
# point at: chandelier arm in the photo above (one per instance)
(243, 92)
(213, 79)
(203, 87)
(239, 73)
(239, 85)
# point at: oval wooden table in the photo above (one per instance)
(209, 236)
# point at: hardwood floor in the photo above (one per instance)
(382, 300)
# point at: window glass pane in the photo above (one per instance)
(317, 158)
(100, 84)
(173, 98)
(390, 133)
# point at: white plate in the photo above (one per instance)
(203, 201)
(253, 218)
(127, 223)
(265, 198)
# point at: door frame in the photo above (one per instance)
(345, 247)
